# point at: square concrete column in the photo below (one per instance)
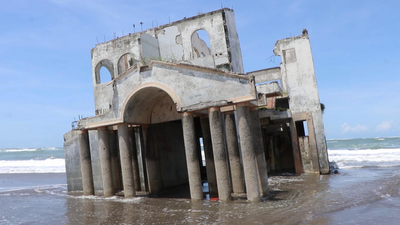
(86, 162)
(234, 154)
(135, 162)
(248, 153)
(192, 157)
(141, 153)
(152, 160)
(126, 161)
(210, 166)
(220, 159)
(105, 162)
(259, 150)
(115, 165)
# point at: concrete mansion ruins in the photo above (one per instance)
(177, 110)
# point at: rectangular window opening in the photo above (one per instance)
(301, 128)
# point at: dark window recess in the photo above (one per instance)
(301, 127)
(282, 103)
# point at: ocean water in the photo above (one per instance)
(365, 152)
(366, 191)
(32, 160)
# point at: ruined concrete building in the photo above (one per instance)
(179, 111)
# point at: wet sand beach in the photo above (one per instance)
(354, 196)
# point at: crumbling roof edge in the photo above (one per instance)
(262, 70)
(304, 35)
(165, 25)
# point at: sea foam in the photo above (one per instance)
(33, 166)
(365, 158)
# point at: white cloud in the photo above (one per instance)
(385, 125)
(357, 129)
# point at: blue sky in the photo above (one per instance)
(45, 58)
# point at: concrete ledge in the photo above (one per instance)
(275, 114)
(269, 90)
(266, 75)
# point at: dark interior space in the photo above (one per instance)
(278, 147)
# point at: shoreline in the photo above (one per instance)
(355, 196)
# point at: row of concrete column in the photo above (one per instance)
(255, 177)
(127, 164)
(224, 177)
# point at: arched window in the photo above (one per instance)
(105, 75)
(104, 71)
(200, 44)
(125, 62)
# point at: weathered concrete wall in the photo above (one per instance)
(233, 43)
(149, 48)
(72, 161)
(266, 75)
(167, 139)
(170, 43)
(193, 88)
(305, 154)
(299, 81)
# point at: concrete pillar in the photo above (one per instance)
(152, 160)
(248, 153)
(221, 165)
(210, 166)
(234, 154)
(126, 161)
(192, 157)
(135, 163)
(86, 162)
(141, 158)
(259, 150)
(295, 147)
(105, 162)
(116, 171)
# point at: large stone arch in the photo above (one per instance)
(151, 103)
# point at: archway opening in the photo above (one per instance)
(125, 62)
(163, 151)
(104, 71)
(201, 44)
(105, 75)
